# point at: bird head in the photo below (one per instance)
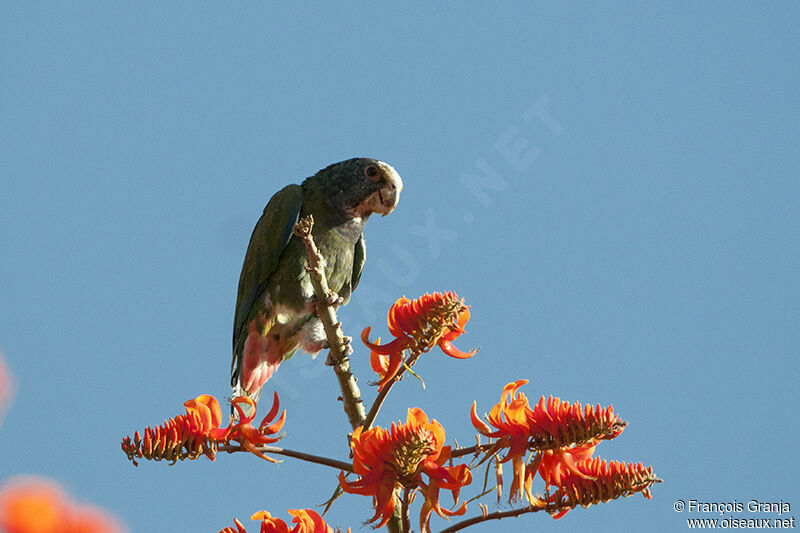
(362, 186)
(385, 183)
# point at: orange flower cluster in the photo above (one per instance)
(599, 481)
(394, 459)
(551, 424)
(419, 325)
(564, 436)
(198, 432)
(35, 505)
(305, 520)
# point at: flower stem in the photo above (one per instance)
(406, 511)
(376, 405)
(318, 459)
(351, 395)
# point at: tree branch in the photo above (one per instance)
(497, 515)
(351, 395)
(318, 459)
(469, 450)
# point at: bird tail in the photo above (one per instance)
(253, 364)
(238, 391)
(255, 380)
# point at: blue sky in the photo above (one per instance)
(640, 250)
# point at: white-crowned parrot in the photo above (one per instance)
(275, 306)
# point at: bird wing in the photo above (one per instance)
(359, 258)
(269, 239)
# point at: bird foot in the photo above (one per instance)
(348, 350)
(313, 305)
(334, 300)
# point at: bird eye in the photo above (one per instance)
(371, 171)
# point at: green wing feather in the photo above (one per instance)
(349, 281)
(269, 239)
(359, 258)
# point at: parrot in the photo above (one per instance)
(275, 304)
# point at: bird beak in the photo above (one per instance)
(389, 194)
(385, 199)
(389, 200)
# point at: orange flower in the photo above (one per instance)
(270, 524)
(36, 505)
(85, 519)
(308, 521)
(393, 459)
(248, 436)
(305, 520)
(564, 433)
(205, 409)
(31, 505)
(596, 481)
(239, 528)
(198, 432)
(6, 387)
(554, 465)
(419, 325)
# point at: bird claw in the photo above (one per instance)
(332, 300)
(347, 342)
(348, 348)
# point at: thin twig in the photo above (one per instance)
(351, 395)
(497, 515)
(376, 405)
(469, 450)
(318, 459)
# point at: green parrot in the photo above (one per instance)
(275, 305)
